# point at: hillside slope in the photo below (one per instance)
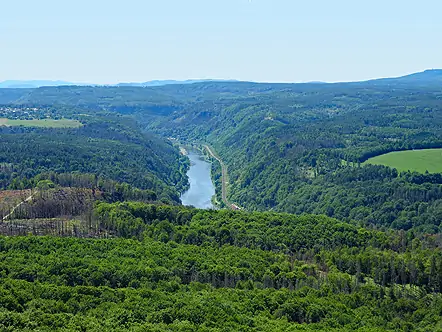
(297, 147)
(107, 147)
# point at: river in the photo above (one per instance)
(201, 187)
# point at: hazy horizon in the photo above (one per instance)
(104, 42)
(197, 79)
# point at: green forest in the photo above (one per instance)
(182, 269)
(297, 148)
(109, 147)
(93, 235)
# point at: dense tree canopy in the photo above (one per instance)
(109, 147)
(115, 285)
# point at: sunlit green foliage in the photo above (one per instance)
(115, 285)
(109, 147)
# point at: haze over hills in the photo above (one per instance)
(17, 84)
(32, 84)
(427, 76)
(170, 82)
(430, 75)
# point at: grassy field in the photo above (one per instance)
(414, 160)
(45, 123)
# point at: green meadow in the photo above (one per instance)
(45, 123)
(411, 160)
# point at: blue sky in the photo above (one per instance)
(259, 40)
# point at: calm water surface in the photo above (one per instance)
(201, 187)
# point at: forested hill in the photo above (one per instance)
(105, 147)
(12, 95)
(164, 99)
(297, 147)
(428, 77)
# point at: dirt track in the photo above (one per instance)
(16, 207)
(224, 179)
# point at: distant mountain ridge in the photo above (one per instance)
(427, 76)
(422, 78)
(169, 82)
(17, 84)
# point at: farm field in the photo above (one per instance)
(412, 160)
(44, 123)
